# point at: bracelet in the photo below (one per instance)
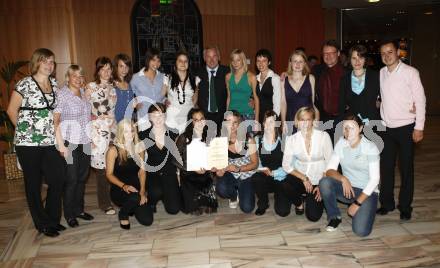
(122, 187)
(239, 169)
(357, 203)
(306, 179)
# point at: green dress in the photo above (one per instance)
(240, 92)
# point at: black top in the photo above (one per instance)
(270, 159)
(265, 95)
(160, 160)
(219, 85)
(364, 103)
(126, 172)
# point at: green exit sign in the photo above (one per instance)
(166, 2)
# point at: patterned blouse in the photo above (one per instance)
(35, 126)
(102, 97)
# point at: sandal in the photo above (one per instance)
(110, 211)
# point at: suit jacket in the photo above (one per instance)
(364, 103)
(219, 85)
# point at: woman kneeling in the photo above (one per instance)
(357, 185)
(125, 171)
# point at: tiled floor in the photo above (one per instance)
(230, 238)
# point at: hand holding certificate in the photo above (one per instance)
(199, 156)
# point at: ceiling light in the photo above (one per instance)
(428, 13)
(373, 1)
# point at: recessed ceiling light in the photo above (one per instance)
(373, 1)
(428, 13)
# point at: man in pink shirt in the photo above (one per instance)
(403, 111)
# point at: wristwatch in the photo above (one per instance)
(357, 203)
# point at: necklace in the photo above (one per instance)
(359, 76)
(183, 92)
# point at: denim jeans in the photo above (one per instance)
(331, 192)
(227, 187)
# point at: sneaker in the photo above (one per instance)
(333, 225)
(233, 204)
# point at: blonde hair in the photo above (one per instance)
(242, 56)
(212, 48)
(303, 110)
(306, 69)
(120, 139)
(71, 69)
(38, 56)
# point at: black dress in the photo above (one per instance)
(197, 189)
(127, 172)
(265, 95)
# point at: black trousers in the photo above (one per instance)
(36, 162)
(192, 185)
(217, 118)
(397, 141)
(164, 187)
(129, 204)
(292, 191)
(77, 171)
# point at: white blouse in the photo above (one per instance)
(312, 165)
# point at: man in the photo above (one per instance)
(212, 87)
(403, 112)
(328, 77)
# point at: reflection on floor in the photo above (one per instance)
(230, 238)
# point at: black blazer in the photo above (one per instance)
(364, 103)
(219, 85)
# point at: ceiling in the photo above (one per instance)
(341, 4)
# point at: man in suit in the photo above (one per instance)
(212, 87)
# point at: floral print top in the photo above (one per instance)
(35, 126)
(102, 97)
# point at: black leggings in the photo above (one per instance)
(164, 187)
(36, 162)
(292, 191)
(129, 204)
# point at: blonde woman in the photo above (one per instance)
(306, 155)
(72, 118)
(298, 89)
(126, 173)
(241, 87)
(31, 111)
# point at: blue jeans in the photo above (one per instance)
(331, 192)
(227, 187)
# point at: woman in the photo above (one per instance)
(31, 111)
(360, 89)
(357, 185)
(125, 171)
(305, 159)
(268, 84)
(243, 162)
(161, 156)
(72, 119)
(298, 89)
(102, 96)
(148, 86)
(122, 73)
(241, 88)
(197, 188)
(271, 173)
(181, 92)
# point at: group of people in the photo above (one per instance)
(134, 129)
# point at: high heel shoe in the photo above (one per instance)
(123, 218)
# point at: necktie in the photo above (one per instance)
(212, 98)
